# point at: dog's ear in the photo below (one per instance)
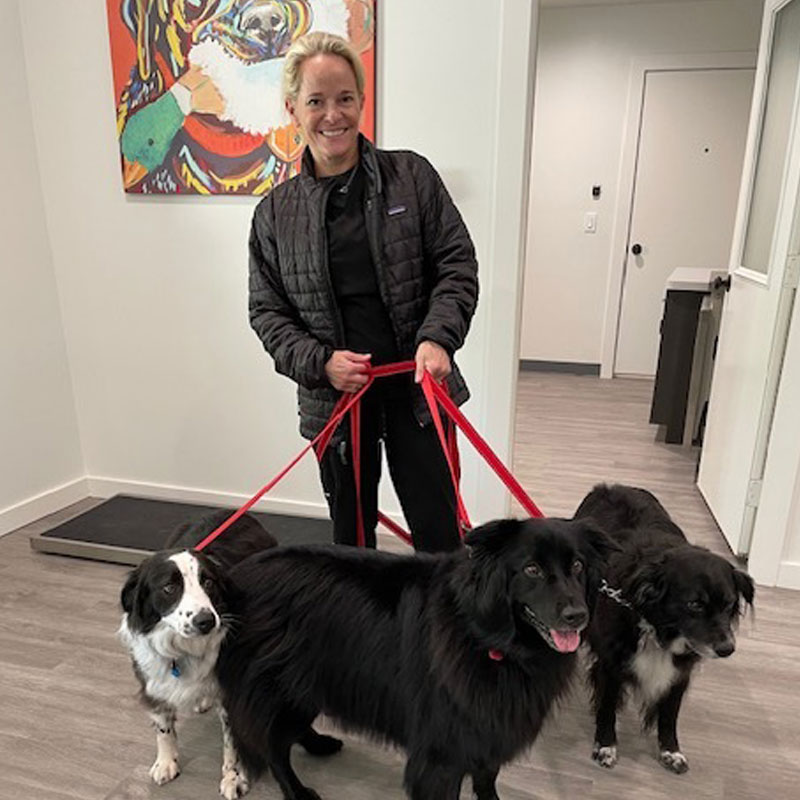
(128, 593)
(745, 586)
(485, 592)
(135, 600)
(595, 543)
(491, 537)
(647, 586)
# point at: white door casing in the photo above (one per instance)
(756, 315)
(691, 149)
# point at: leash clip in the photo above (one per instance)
(614, 594)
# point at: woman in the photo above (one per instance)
(361, 260)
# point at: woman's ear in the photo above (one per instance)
(289, 106)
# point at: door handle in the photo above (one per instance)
(636, 249)
(722, 283)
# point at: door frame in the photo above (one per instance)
(626, 182)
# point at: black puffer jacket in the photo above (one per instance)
(423, 256)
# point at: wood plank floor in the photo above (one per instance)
(71, 729)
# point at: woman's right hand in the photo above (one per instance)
(347, 371)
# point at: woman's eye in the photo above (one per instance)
(577, 567)
(533, 571)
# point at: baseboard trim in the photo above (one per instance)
(789, 575)
(567, 367)
(34, 508)
(108, 487)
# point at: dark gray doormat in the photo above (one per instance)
(125, 530)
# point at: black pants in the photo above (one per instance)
(417, 466)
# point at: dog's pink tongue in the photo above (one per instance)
(566, 641)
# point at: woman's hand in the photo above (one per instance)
(432, 357)
(347, 371)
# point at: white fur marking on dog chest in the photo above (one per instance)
(653, 666)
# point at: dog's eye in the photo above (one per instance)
(533, 571)
(577, 567)
(208, 584)
(695, 606)
(169, 588)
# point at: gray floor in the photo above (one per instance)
(70, 727)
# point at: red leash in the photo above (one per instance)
(436, 395)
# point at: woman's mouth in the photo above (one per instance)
(333, 133)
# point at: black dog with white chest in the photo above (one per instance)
(175, 621)
(456, 657)
(668, 605)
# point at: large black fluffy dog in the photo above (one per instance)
(671, 604)
(457, 657)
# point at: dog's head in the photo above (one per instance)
(534, 577)
(693, 598)
(182, 591)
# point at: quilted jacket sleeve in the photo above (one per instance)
(449, 252)
(273, 317)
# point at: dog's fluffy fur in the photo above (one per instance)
(680, 604)
(174, 622)
(456, 657)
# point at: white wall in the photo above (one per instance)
(583, 71)
(174, 394)
(39, 446)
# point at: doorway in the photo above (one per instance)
(690, 151)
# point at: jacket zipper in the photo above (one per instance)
(338, 322)
(372, 238)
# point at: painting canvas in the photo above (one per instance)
(197, 89)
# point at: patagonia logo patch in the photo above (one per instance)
(395, 210)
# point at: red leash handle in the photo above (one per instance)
(436, 395)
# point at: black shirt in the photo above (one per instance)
(367, 326)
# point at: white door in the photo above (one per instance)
(691, 148)
(755, 318)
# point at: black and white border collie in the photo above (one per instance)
(175, 620)
(667, 605)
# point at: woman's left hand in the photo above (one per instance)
(432, 357)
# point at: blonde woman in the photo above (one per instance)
(363, 259)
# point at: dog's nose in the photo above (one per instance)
(724, 649)
(204, 621)
(574, 617)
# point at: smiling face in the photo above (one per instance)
(328, 110)
(548, 583)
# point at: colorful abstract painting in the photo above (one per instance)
(197, 89)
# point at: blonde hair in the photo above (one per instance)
(314, 44)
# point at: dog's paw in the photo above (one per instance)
(165, 770)
(673, 761)
(605, 756)
(319, 744)
(233, 784)
(203, 704)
